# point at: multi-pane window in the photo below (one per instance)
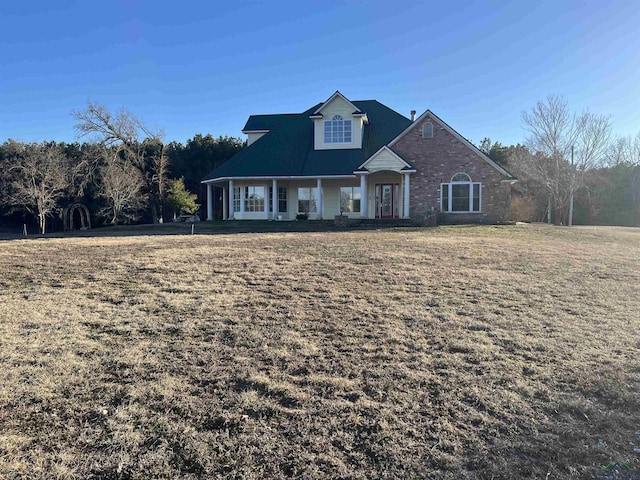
(254, 199)
(337, 130)
(236, 199)
(282, 199)
(307, 200)
(461, 194)
(271, 199)
(350, 199)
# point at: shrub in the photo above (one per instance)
(522, 209)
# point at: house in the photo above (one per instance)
(360, 159)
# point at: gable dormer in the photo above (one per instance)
(338, 124)
(258, 126)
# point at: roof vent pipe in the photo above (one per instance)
(413, 115)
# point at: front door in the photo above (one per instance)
(385, 200)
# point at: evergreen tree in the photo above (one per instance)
(181, 199)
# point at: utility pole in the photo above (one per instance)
(571, 175)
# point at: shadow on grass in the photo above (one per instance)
(221, 227)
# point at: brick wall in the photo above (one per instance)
(436, 160)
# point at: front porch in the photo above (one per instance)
(364, 195)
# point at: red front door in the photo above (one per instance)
(385, 200)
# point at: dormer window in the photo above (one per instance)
(427, 130)
(337, 130)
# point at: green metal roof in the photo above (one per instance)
(288, 148)
(266, 122)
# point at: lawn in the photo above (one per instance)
(453, 352)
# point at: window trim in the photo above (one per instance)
(283, 198)
(427, 135)
(251, 204)
(313, 200)
(458, 175)
(336, 128)
(473, 188)
(351, 199)
(236, 199)
(271, 199)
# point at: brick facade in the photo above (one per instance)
(436, 160)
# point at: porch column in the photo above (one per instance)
(364, 198)
(319, 198)
(225, 197)
(242, 202)
(274, 201)
(209, 201)
(406, 196)
(266, 201)
(231, 194)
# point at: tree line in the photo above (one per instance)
(571, 168)
(123, 171)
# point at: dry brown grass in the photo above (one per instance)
(462, 352)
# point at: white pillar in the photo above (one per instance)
(364, 198)
(225, 197)
(209, 201)
(242, 201)
(232, 192)
(406, 195)
(274, 205)
(266, 201)
(319, 198)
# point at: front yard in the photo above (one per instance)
(452, 352)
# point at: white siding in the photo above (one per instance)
(331, 199)
(331, 190)
(330, 195)
(384, 160)
(293, 193)
(251, 215)
(252, 137)
(292, 198)
(338, 107)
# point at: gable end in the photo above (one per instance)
(331, 98)
(385, 159)
(430, 116)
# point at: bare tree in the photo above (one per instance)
(551, 127)
(564, 147)
(155, 174)
(625, 153)
(39, 176)
(121, 187)
(624, 150)
(134, 143)
(85, 169)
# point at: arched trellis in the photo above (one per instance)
(69, 211)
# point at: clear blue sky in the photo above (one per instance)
(198, 67)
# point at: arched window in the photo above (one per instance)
(461, 195)
(461, 177)
(337, 130)
(427, 130)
